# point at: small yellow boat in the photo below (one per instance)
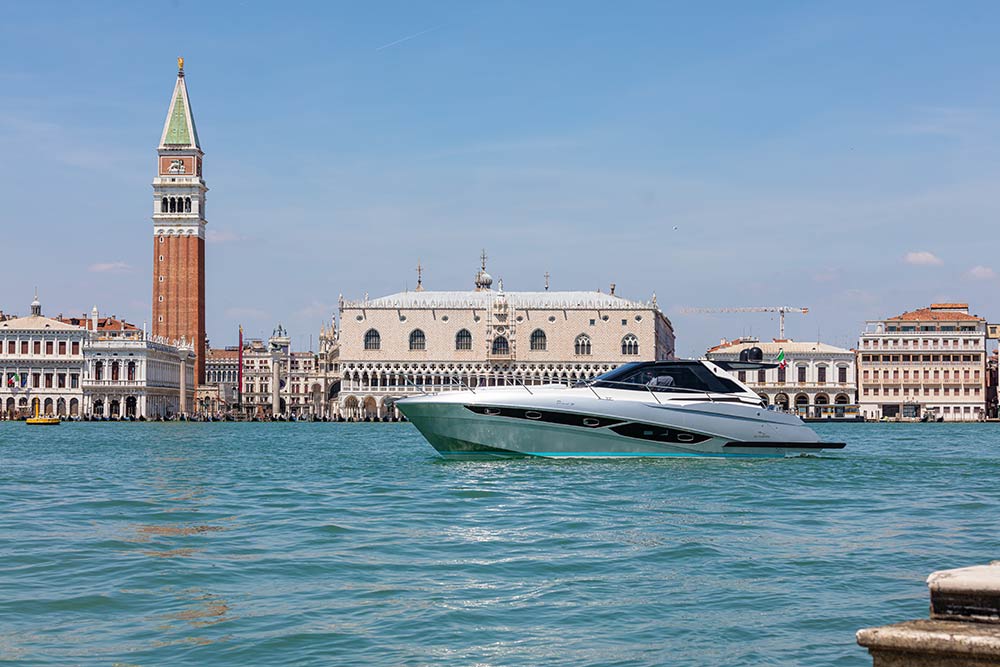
(42, 421)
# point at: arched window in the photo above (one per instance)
(501, 346)
(463, 340)
(99, 371)
(418, 341)
(538, 340)
(173, 205)
(187, 204)
(582, 344)
(114, 371)
(131, 371)
(373, 341)
(164, 205)
(630, 345)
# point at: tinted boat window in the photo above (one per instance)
(668, 377)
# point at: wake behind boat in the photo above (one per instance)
(665, 408)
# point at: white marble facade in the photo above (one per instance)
(417, 341)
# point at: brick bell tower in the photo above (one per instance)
(179, 229)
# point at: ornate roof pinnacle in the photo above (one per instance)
(180, 66)
(483, 280)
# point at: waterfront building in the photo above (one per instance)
(220, 392)
(41, 365)
(179, 229)
(138, 376)
(280, 382)
(992, 366)
(816, 380)
(129, 373)
(410, 342)
(926, 363)
(87, 366)
(255, 399)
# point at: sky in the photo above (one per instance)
(843, 157)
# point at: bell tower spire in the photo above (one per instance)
(179, 228)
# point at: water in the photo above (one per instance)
(237, 544)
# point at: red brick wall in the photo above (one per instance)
(182, 311)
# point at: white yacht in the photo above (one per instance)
(664, 408)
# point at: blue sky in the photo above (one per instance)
(840, 156)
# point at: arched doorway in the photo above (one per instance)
(48, 407)
(74, 407)
(61, 407)
(370, 408)
(841, 400)
(764, 398)
(98, 408)
(351, 408)
(115, 408)
(131, 406)
(802, 405)
(11, 407)
(781, 402)
(820, 409)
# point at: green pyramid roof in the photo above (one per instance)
(179, 129)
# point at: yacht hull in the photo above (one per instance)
(505, 424)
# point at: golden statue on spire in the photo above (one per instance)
(180, 64)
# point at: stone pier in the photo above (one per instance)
(963, 629)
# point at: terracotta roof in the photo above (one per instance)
(936, 314)
(222, 354)
(103, 323)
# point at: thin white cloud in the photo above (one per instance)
(110, 267)
(922, 258)
(981, 273)
(409, 37)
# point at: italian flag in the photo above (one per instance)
(781, 358)
(14, 380)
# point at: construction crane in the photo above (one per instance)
(781, 310)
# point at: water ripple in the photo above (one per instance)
(240, 544)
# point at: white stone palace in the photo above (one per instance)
(91, 366)
(417, 341)
(817, 381)
(41, 364)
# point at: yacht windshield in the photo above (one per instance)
(667, 376)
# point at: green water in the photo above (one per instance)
(320, 544)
